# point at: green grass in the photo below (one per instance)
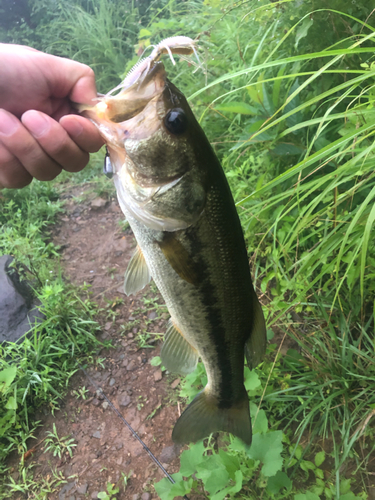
(36, 370)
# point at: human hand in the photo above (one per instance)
(39, 135)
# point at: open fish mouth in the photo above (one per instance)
(145, 81)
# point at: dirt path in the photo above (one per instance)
(96, 250)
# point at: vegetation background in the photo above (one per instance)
(285, 92)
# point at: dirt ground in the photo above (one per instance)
(95, 249)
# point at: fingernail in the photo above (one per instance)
(36, 123)
(8, 123)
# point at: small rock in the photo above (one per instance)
(119, 446)
(95, 402)
(65, 489)
(169, 453)
(76, 229)
(175, 383)
(146, 496)
(96, 435)
(136, 496)
(124, 400)
(152, 315)
(112, 382)
(105, 405)
(122, 356)
(135, 330)
(158, 375)
(124, 364)
(94, 495)
(165, 316)
(131, 366)
(98, 203)
(131, 318)
(108, 326)
(82, 490)
(130, 335)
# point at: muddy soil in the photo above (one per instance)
(95, 249)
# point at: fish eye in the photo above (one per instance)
(176, 121)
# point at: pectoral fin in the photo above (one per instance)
(204, 416)
(137, 274)
(177, 355)
(255, 347)
(179, 258)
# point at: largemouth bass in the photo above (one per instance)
(175, 196)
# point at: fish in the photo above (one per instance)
(176, 198)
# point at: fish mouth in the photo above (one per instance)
(132, 98)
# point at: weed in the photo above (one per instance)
(58, 446)
(110, 493)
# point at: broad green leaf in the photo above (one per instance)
(267, 448)
(319, 458)
(166, 490)
(258, 420)
(191, 458)
(230, 461)
(144, 33)
(213, 474)
(309, 495)
(252, 381)
(156, 361)
(303, 30)
(237, 107)
(6, 377)
(230, 489)
(278, 481)
(11, 404)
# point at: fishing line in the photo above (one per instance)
(145, 447)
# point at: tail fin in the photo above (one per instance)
(203, 416)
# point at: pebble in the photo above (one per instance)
(112, 382)
(146, 496)
(135, 330)
(65, 489)
(125, 363)
(105, 405)
(95, 402)
(152, 315)
(94, 495)
(158, 375)
(125, 400)
(98, 203)
(96, 435)
(175, 383)
(122, 356)
(131, 366)
(136, 496)
(82, 490)
(169, 453)
(108, 326)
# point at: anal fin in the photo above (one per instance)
(255, 346)
(204, 416)
(177, 355)
(137, 274)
